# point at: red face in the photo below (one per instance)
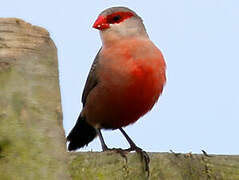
(103, 22)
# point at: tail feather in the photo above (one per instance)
(81, 134)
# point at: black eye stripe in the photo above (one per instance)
(117, 18)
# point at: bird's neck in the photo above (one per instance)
(116, 34)
(111, 39)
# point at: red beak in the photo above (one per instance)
(101, 23)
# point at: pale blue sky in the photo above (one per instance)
(200, 42)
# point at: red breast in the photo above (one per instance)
(131, 78)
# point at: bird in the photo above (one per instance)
(126, 79)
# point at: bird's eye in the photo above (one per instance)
(116, 18)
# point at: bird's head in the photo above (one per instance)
(119, 22)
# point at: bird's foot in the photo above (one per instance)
(144, 156)
(123, 152)
(120, 151)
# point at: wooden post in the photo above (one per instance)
(32, 143)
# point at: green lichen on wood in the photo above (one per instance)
(225, 166)
(32, 144)
(163, 166)
(100, 166)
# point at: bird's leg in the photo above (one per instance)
(102, 142)
(105, 147)
(133, 147)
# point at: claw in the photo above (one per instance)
(122, 152)
(144, 157)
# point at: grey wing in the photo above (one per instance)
(91, 81)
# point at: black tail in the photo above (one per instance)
(81, 134)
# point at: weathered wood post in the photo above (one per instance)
(32, 143)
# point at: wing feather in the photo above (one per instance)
(92, 79)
